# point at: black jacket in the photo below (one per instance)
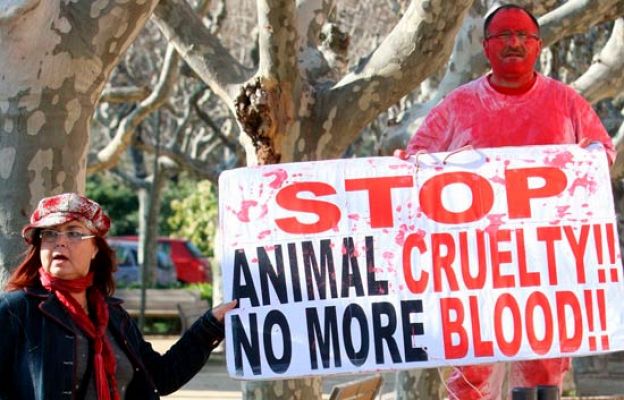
(38, 350)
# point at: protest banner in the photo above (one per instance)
(372, 264)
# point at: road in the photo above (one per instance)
(213, 381)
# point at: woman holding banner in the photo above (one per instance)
(65, 337)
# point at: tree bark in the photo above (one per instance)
(605, 77)
(295, 389)
(55, 57)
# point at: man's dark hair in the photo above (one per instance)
(489, 18)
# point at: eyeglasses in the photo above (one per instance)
(508, 35)
(52, 236)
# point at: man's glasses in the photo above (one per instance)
(52, 236)
(508, 35)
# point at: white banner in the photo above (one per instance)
(372, 264)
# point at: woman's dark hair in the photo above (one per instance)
(27, 272)
(489, 18)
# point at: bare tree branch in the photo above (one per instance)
(110, 154)
(124, 94)
(398, 66)
(16, 9)
(202, 168)
(575, 16)
(210, 123)
(605, 77)
(278, 50)
(200, 49)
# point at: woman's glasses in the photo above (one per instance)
(52, 236)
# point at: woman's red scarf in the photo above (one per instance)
(104, 362)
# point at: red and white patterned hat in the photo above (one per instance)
(62, 208)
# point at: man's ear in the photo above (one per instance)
(486, 48)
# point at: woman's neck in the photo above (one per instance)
(81, 298)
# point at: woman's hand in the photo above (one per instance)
(219, 311)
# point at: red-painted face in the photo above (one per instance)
(512, 46)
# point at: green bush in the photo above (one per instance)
(204, 289)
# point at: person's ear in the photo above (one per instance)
(486, 48)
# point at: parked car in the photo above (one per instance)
(128, 269)
(191, 266)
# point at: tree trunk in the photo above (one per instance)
(149, 210)
(292, 389)
(55, 57)
(418, 384)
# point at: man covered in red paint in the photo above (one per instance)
(512, 106)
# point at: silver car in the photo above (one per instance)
(129, 272)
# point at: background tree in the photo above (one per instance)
(194, 216)
(118, 200)
(55, 58)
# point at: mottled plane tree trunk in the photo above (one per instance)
(300, 103)
(55, 57)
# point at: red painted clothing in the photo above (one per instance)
(476, 114)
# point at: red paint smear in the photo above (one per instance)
(243, 214)
(560, 160)
(263, 212)
(254, 260)
(355, 217)
(399, 166)
(497, 179)
(280, 176)
(562, 211)
(400, 236)
(388, 255)
(264, 234)
(269, 248)
(496, 220)
(585, 182)
(399, 208)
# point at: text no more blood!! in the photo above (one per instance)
(382, 326)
